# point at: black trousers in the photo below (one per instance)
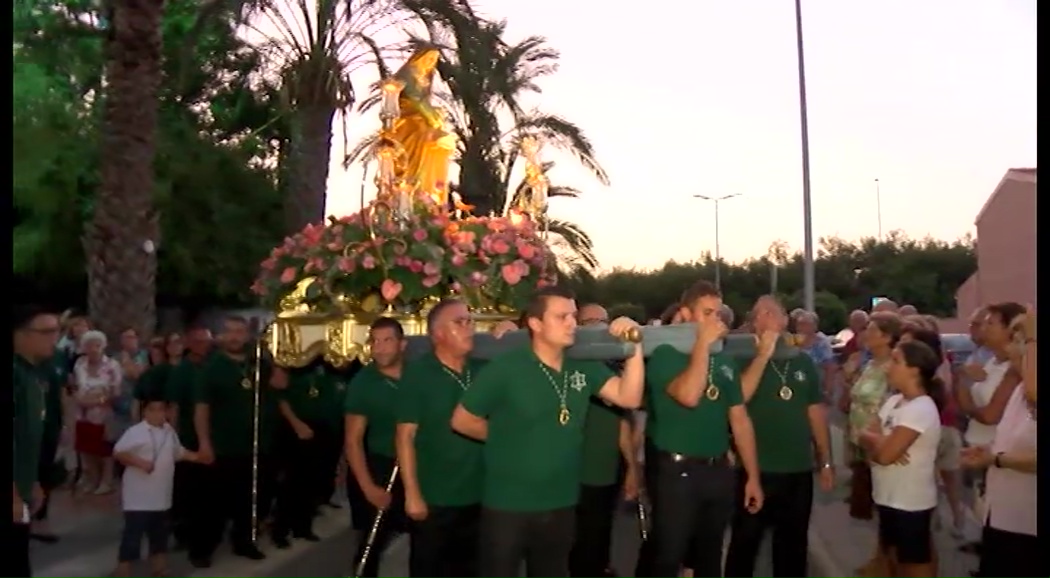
(300, 488)
(17, 565)
(331, 451)
(786, 510)
(230, 500)
(543, 540)
(692, 504)
(138, 525)
(594, 522)
(393, 521)
(445, 544)
(1010, 555)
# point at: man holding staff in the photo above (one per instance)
(371, 419)
(695, 401)
(530, 405)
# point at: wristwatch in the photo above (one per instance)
(825, 466)
(998, 461)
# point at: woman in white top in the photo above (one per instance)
(985, 401)
(902, 446)
(96, 378)
(1009, 542)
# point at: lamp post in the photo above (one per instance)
(878, 206)
(808, 281)
(718, 249)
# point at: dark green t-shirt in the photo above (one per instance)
(316, 395)
(779, 413)
(701, 431)
(29, 388)
(448, 465)
(179, 389)
(375, 397)
(532, 460)
(226, 385)
(57, 370)
(153, 383)
(601, 444)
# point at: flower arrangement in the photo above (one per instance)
(378, 256)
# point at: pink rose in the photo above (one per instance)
(258, 288)
(456, 287)
(335, 247)
(500, 247)
(269, 264)
(511, 274)
(346, 264)
(289, 275)
(526, 250)
(419, 235)
(431, 281)
(431, 269)
(416, 266)
(368, 262)
(478, 278)
(390, 289)
(459, 259)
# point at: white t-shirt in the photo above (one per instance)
(149, 492)
(977, 433)
(911, 487)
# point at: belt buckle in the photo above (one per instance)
(678, 458)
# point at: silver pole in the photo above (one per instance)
(718, 244)
(878, 206)
(809, 282)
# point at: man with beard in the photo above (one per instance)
(441, 470)
(35, 335)
(608, 456)
(530, 406)
(224, 420)
(189, 514)
(695, 400)
(371, 420)
(784, 401)
(311, 406)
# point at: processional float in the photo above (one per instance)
(414, 245)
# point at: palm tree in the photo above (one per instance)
(315, 45)
(485, 80)
(119, 241)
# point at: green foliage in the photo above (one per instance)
(216, 193)
(636, 312)
(924, 273)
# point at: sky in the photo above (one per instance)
(934, 98)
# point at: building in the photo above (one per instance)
(1005, 246)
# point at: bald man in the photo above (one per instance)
(906, 310)
(885, 305)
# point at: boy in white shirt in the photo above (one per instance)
(148, 450)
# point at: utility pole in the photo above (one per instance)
(808, 281)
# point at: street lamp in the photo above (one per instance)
(718, 249)
(808, 281)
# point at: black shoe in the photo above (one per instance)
(282, 542)
(200, 562)
(250, 552)
(308, 535)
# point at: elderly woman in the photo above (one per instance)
(816, 345)
(1009, 541)
(96, 381)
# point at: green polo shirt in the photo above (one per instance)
(29, 387)
(316, 395)
(779, 413)
(532, 460)
(153, 382)
(701, 431)
(601, 444)
(448, 465)
(227, 386)
(179, 389)
(374, 396)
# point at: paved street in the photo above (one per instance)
(89, 527)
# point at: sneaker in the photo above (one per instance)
(103, 489)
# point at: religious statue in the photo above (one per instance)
(424, 146)
(532, 200)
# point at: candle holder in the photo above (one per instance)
(391, 107)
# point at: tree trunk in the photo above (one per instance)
(120, 240)
(308, 167)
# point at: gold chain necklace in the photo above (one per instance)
(563, 408)
(465, 383)
(785, 392)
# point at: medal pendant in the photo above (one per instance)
(313, 392)
(786, 393)
(712, 392)
(564, 415)
(246, 383)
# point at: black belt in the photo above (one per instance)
(686, 459)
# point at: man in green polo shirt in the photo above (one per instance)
(530, 406)
(785, 404)
(51, 474)
(225, 423)
(371, 420)
(608, 457)
(189, 514)
(695, 401)
(312, 409)
(35, 335)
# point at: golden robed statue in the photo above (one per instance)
(425, 148)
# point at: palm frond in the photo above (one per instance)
(573, 243)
